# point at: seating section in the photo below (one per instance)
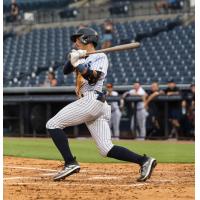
(169, 54)
(28, 5)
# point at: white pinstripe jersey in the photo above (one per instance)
(97, 62)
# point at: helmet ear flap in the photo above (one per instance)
(83, 39)
(86, 39)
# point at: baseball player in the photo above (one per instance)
(141, 113)
(91, 108)
(115, 111)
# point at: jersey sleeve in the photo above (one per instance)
(115, 93)
(131, 92)
(100, 63)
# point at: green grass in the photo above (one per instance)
(86, 151)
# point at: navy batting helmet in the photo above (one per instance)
(86, 36)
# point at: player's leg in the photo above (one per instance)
(116, 123)
(141, 120)
(111, 125)
(75, 113)
(132, 125)
(100, 132)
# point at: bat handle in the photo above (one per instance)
(88, 53)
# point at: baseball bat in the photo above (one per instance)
(122, 47)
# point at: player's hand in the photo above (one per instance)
(75, 55)
(74, 58)
(82, 53)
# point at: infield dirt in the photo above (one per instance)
(26, 179)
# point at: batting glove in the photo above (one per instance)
(75, 59)
(75, 55)
(72, 51)
(82, 53)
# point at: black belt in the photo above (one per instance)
(139, 109)
(101, 96)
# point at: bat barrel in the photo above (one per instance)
(117, 48)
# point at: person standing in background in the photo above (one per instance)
(154, 119)
(187, 121)
(174, 111)
(115, 112)
(141, 113)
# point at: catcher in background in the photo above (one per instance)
(91, 108)
(115, 111)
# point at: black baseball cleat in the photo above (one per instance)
(67, 170)
(147, 169)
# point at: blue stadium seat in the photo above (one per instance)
(157, 58)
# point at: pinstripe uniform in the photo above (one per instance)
(141, 113)
(91, 109)
(87, 109)
(115, 115)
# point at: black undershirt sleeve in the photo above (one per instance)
(68, 67)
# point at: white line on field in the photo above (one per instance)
(162, 181)
(89, 178)
(103, 177)
(174, 172)
(33, 183)
(30, 168)
(48, 174)
(112, 185)
(91, 170)
(158, 171)
(28, 177)
(20, 177)
(78, 184)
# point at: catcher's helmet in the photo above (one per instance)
(86, 36)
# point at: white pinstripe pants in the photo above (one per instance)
(141, 116)
(87, 110)
(115, 122)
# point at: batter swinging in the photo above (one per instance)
(91, 108)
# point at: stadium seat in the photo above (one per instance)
(157, 58)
